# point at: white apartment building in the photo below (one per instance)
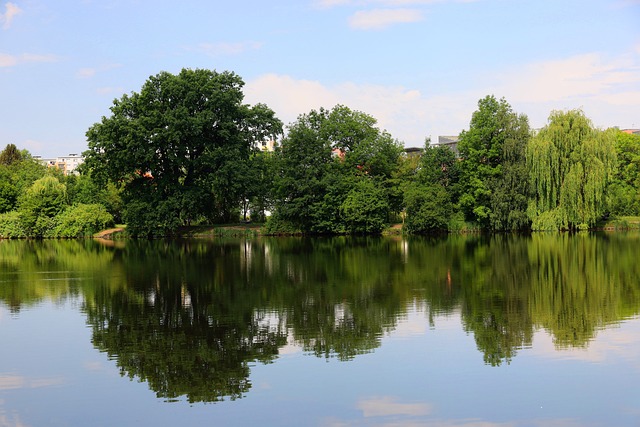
(67, 164)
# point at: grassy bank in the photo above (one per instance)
(620, 223)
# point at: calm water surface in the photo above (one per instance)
(541, 330)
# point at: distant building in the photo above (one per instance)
(631, 131)
(268, 146)
(414, 151)
(448, 141)
(67, 164)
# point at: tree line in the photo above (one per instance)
(185, 150)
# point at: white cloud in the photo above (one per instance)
(88, 72)
(577, 76)
(406, 113)
(385, 406)
(607, 89)
(11, 11)
(7, 60)
(378, 19)
(85, 73)
(392, 3)
(225, 48)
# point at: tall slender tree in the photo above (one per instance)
(495, 132)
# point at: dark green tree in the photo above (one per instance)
(177, 146)
(428, 208)
(482, 149)
(325, 154)
(510, 190)
(10, 155)
(365, 209)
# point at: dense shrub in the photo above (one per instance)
(10, 226)
(428, 209)
(82, 220)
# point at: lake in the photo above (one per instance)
(465, 331)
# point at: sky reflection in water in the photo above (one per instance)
(425, 365)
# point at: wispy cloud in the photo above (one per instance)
(378, 19)
(595, 82)
(225, 48)
(88, 72)
(7, 60)
(385, 3)
(11, 11)
(12, 382)
(592, 81)
(85, 73)
(406, 113)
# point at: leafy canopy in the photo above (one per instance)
(177, 148)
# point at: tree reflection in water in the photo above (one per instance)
(190, 317)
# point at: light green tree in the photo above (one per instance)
(38, 206)
(570, 164)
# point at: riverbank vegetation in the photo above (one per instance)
(187, 152)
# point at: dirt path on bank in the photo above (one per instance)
(108, 234)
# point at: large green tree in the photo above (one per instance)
(570, 165)
(324, 159)
(177, 146)
(494, 128)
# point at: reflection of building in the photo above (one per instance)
(67, 164)
(448, 141)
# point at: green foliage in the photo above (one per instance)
(82, 220)
(438, 165)
(428, 209)
(570, 165)
(8, 191)
(11, 226)
(510, 191)
(492, 152)
(623, 194)
(325, 158)
(365, 209)
(10, 155)
(178, 148)
(46, 198)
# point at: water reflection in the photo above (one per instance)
(190, 317)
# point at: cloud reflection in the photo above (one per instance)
(387, 405)
(609, 344)
(12, 382)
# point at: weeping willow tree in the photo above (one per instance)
(570, 164)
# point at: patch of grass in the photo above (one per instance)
(226, 230)
(620, 223)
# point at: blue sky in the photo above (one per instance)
(418, 66)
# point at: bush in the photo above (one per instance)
(82, 220)
(428, 209)
(276, 225)
(11, 226)
(365, 209)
